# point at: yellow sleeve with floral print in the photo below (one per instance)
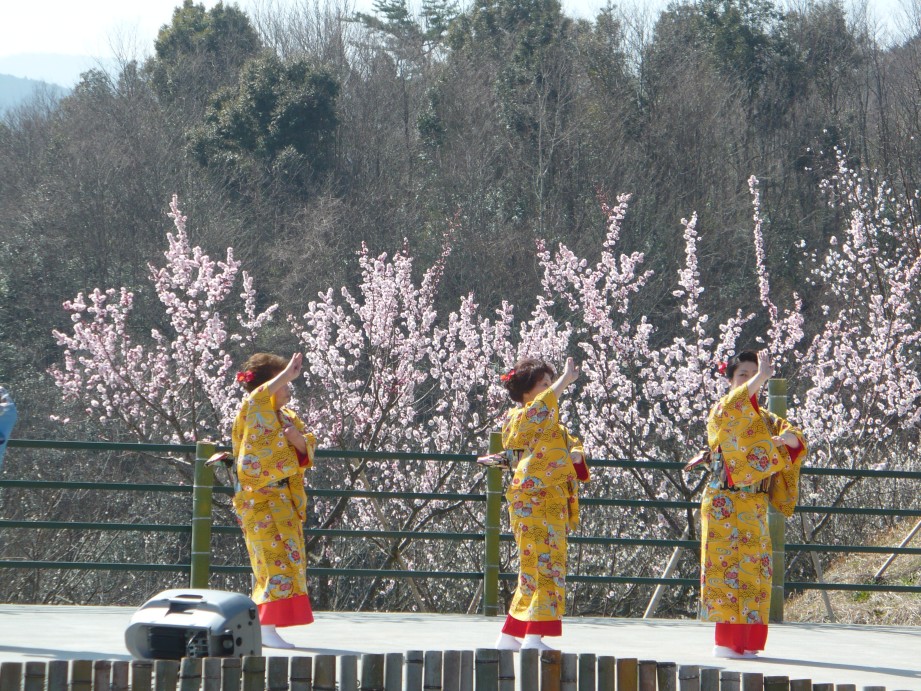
(573, 443)
(743, 438)
(783, 492)
(262, 452)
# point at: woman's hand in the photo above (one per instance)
(787, 438)
(295, 438)
(571, 371)
(577, 457)
(570, 374)
(765, 372)
(293, 369)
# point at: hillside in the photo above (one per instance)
(16, 90)
(866, 607)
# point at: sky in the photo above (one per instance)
(101, 29)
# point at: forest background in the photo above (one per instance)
(415, 199)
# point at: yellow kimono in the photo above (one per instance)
(543, 507)
(270, 499)
(735, 578)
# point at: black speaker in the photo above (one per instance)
(194, 623)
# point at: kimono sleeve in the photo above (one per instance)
(573, 443)
(526, 423)
(783, 492)
(309, 437)
(743, 439)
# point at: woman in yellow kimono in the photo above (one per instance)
(543, 500)
(271, 451)
(755, 460)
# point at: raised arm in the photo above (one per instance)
(569, 375)
(765, 372)
(287, 375)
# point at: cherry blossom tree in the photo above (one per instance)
(173, 383)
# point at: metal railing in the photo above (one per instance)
(202, 528)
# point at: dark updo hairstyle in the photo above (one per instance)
(736, 360)
(524, 376)
(263, 366)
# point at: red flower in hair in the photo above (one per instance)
(508, 375)
(246, 376)
(721, 367)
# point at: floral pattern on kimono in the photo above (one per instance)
(736, 567)
(271, 501)
(543, 506)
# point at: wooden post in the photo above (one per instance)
(752, 681)
(81, 675)
(823, 687)
(277, 673)
(102, 675)
(166, 674)
(528, 669)
(393, 672)
(801, 685)
(587, 672)
(730, 681)
(709, 679)
(550, 670)
(211, 674)
(667, 676)
(231, 674)
(569, 672)
(253, 673)
(506, 671)
(57, 675)
(120, 675)
(627, 674)
(324, 673)
(201, 516)
(846, 687)
(189, 674)
(874, 688)
(493, 525)
(607, 673)
(431, 670)
(777, 404)
(372, 672)
(689, 678)
(141, 671)
(348, 672)
(466, 675)
(451, 664)
(486, 670)
(777, 683)
(647, 675)
(302, 673)
(10, 676)
(414, 670)
(35, 676)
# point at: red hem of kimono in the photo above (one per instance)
(518, 629)
(741, 637)
(292, 611)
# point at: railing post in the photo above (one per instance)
(491, 548)
(201, 516)
(777, 404)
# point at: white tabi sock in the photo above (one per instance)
(271, 639)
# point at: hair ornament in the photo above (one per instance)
(507, 376)
(721, 367)
(246, 376)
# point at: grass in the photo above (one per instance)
(866, 607)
